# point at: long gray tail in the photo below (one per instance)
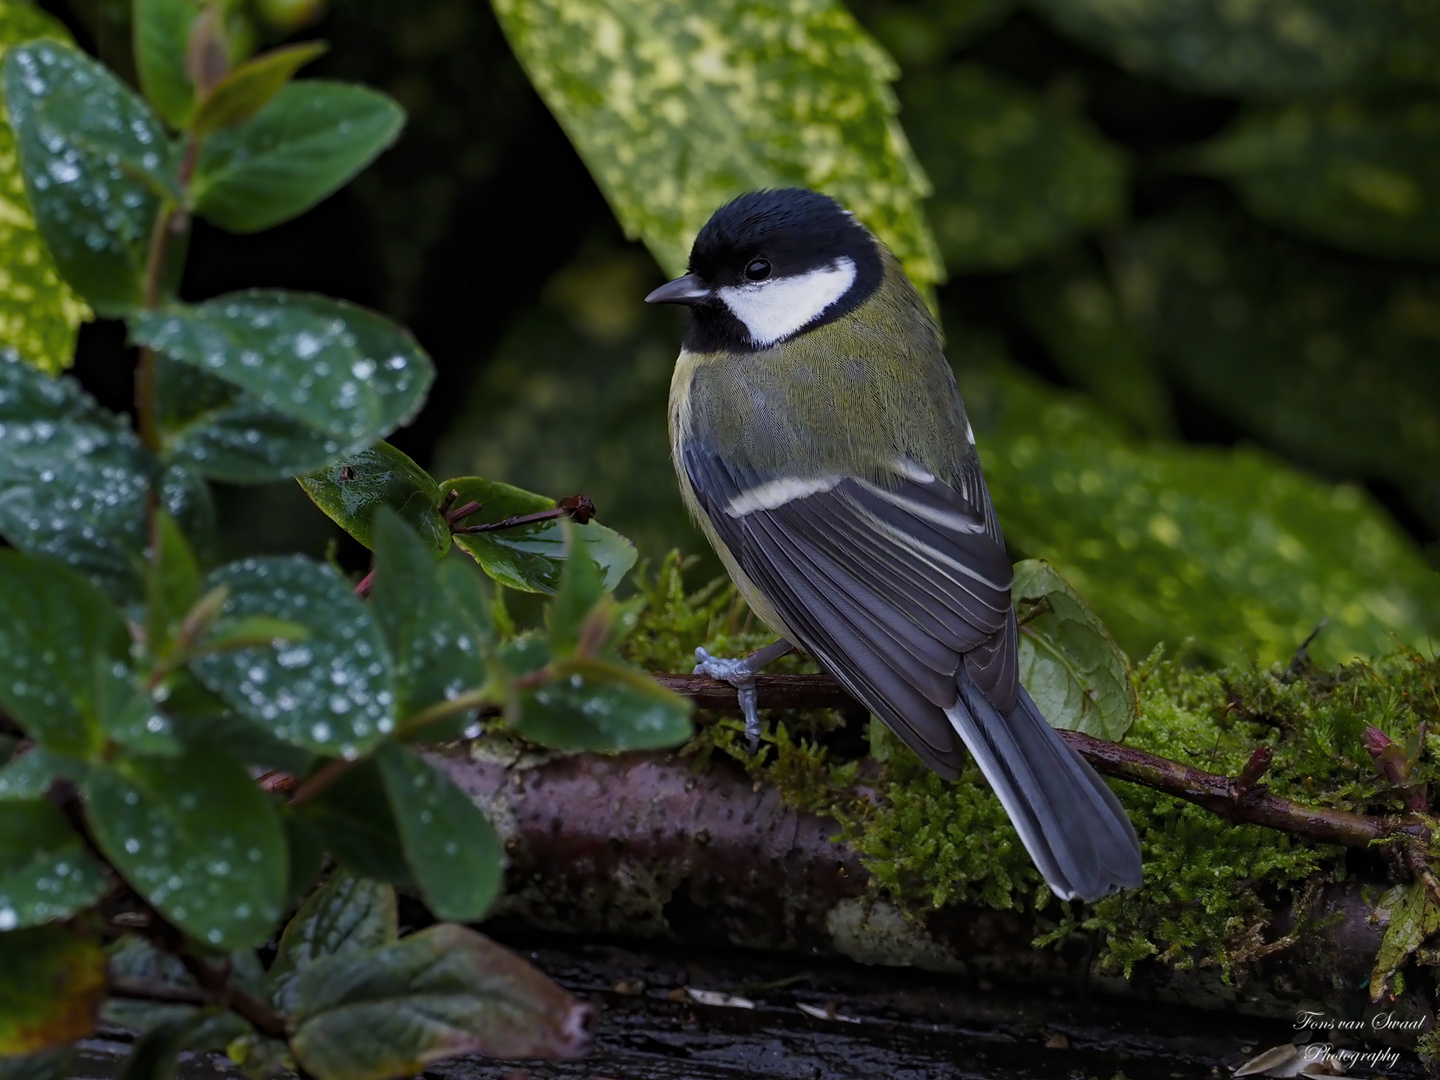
(1069, 820)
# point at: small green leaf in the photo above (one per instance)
(346, 914)
(39, 314)
(162, 35)
(531, 557)
(353, 489)
(29, 775)
(350, 375)
(51, 986)
(580, 590)
(1014, 178)
(1068, 661)
(73, 482)
(333, 692)
(1277, 49)
(197, 838)
(451, 846)
(64, 655)
(354, 819)
(172, 581)
(46, 873)
(440, 993)
(1360, 178)
(676, 112)
(437, 638)
(1414, 916)
(97, 164)
(304, 145)
(601, 705)
(249, 88)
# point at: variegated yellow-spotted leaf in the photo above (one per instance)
(677, 108)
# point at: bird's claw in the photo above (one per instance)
(739, 674)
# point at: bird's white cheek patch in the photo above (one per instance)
(776, 308)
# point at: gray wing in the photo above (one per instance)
(891, 585)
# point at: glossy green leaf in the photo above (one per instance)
(221, 432)
(39, 314)
(1014, 177)
(355, 822)
(1362, 178)
(96, 163)
(1274, 49)
(580, 590)
(46, 872)
(51, 986)
(352, 490)
(601, 705)
(530, 557)
(1071, 665)
(1337, 360)
(305, 144)
(250, 87)
(437, 637)
(197, 838)
(172, 581)
(64, 654)
(1230, 547)
(451, 846)
(347, 913)
(349, 375)
(440, 993)
(333, 692)
(28, 776)
(162, 38)
(1072, 307)
(73, 482)
(676, 112)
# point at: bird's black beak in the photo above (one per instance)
(683, 290)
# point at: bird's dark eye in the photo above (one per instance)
(757, 270)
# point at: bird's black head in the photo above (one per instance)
(770, 265)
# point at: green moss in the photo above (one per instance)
(1210, 887)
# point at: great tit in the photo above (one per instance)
(821, 444)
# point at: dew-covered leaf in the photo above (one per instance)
(249, 88)
(601, 705)
(676, 110)
(530, 557)
(353, 489)
(333, 692)
(451, 846)
(199, 715)
(162, 38)
(1337, 360)
(46, 873)
(350, 375)
(196, 837)
(1071, 665)
(73, 482)
(96, 163)
(1014, 178)
(222, 432)
(28, 776)
(306, 143)
(64, 655)
(1279, 48)
(1072, 307)
(354, 820)
(437, 637)
(1230, 547)
(347, 913)
(1362, 178)
(440, 993)
(172, 581)
(51, 985)
(39, 314)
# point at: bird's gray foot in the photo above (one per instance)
(741, 675)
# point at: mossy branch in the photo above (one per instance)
(1238, 799)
